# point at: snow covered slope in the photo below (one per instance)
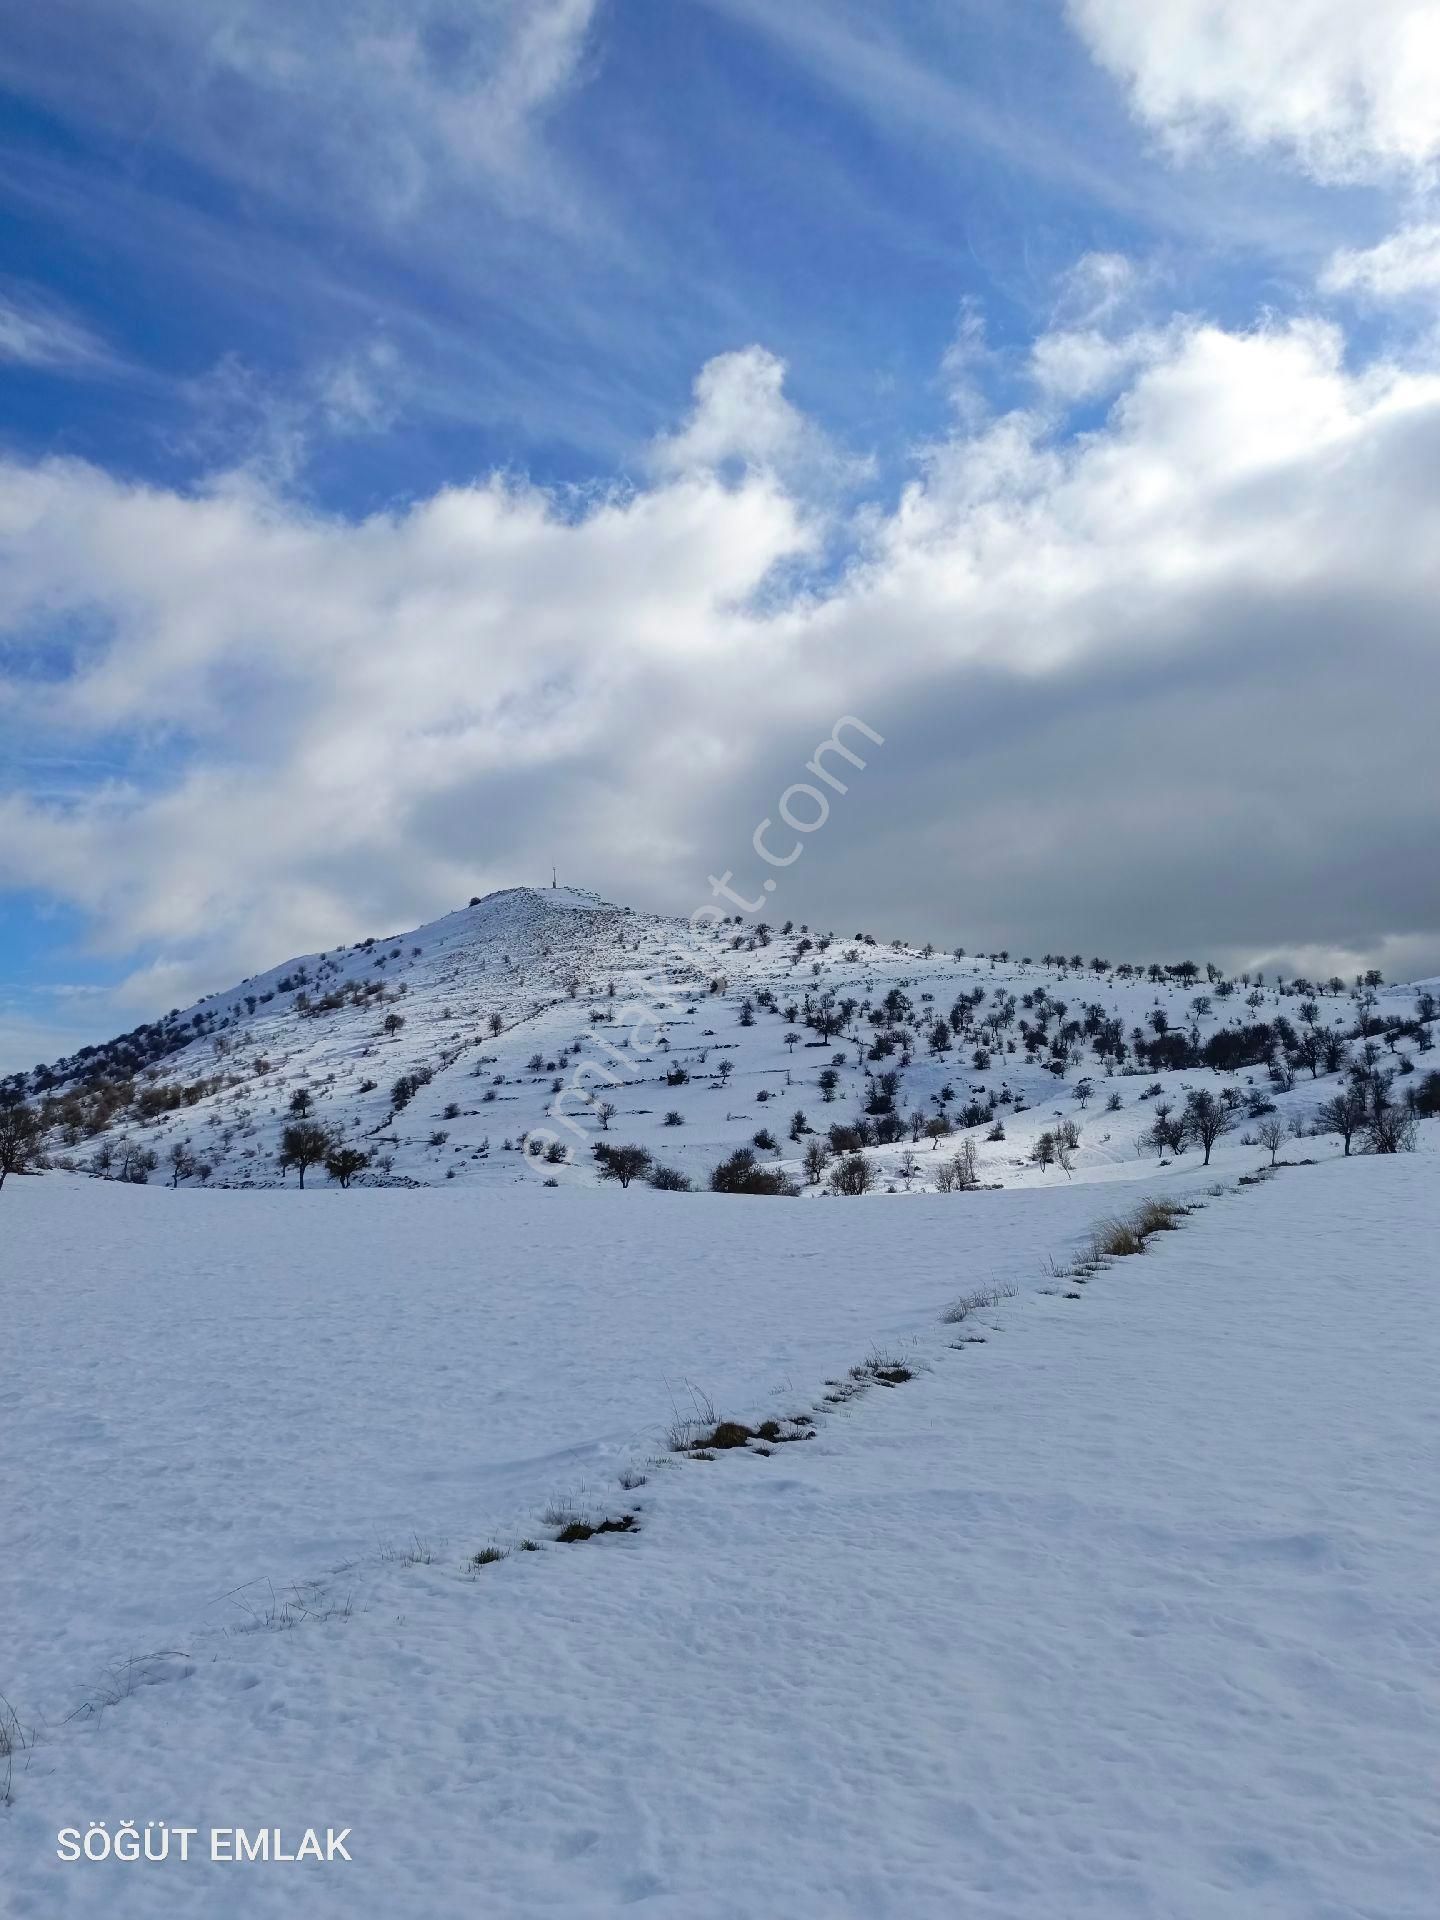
(1044, 1585)
(1126, 1602)
(437, 1053)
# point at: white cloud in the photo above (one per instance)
(34, 333)
(1211, 618)
(742, 419)
(360, 102)
(967, 364)
(740, 413)
(1099, 336)
(1407, 263)
(1073, 364)
(1348, 87)
(1098, 289)
(271, 427)
(331, 680)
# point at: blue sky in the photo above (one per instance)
(335, 341)
(704, 181)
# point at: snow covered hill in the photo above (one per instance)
(550, 1017)
(1059, 1540)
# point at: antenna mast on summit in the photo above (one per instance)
(553, 881)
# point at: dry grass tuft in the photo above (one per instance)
(586, 1530)
(12, 1741)
(975, 1302)
(1123, 1237)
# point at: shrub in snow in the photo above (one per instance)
(960, 1174)
(343, 1163)
(1390, 1129)
(852, 1175)
(742, 1173)
(668, 1180)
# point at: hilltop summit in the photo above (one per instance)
(551, 1015)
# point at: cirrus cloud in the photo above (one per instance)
(368, 104)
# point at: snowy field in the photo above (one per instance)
(1130, 1608)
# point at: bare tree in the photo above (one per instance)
(19, 1139)
(1310, 1051)
(301, 1146)
(1271, 1134)
(343, 1163)
(621, 1163)
(181, 1161)
(816, 1159)
(1390, 1129)
(1345, 1115)
(136, 1163)
(1167, 1135)
(1207, 1118)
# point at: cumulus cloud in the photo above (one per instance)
(1403, 265)
(742, 418)
(1167, 685)
(1099, 336)
(1346, 87)
(740, 413)
(313, 691)
(1081, 363)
